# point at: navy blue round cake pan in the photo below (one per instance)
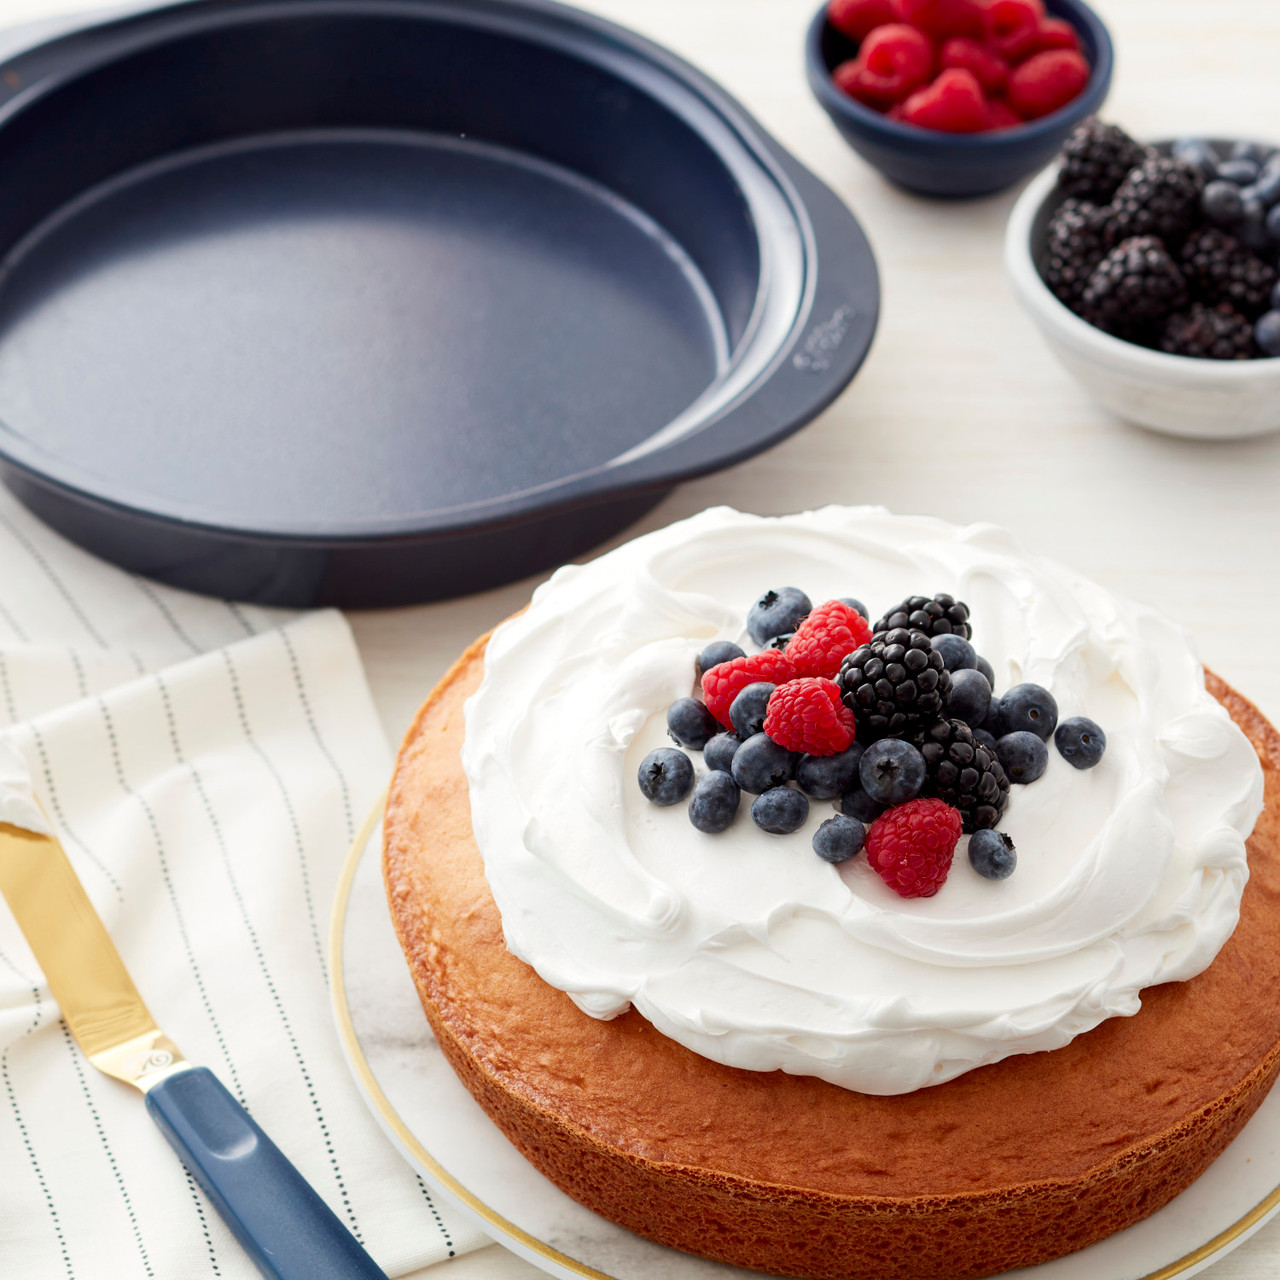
(368, 302)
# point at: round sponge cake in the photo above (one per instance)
(1005, 1166)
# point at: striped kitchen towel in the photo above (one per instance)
(206, 766)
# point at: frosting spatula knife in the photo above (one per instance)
(284, 1226)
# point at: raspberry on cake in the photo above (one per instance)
(808, 716)
(722, 684)
(910, 847)
(825, 637)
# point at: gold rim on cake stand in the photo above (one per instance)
(503, 1226)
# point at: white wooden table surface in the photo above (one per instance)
(960, 411)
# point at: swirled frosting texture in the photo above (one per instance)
(750, 950)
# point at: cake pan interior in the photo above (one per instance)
(281, 279)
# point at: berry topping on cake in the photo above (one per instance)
(957, 653)
(829, 777)
(1080, 742)
(838, 839)
(823, 640)
(760, 764)
(714, 803)
(1161, 197)
(780, 811)
(1023, 755)
(808, 715)
(940, 616)
(963, 772)
(1096, 159)
(894, 683)
(747, 710)
(723, 683)
(991, 854)
(891, 771)
(690, 723)
(970, 697)
(777, 612)
(719, 752)
(1208, 333)
(855, 803)
(716, 652)
(1134, 289)
(987, 670)
(854, 603)
(911, 846)
(666, 776)
(1029, 707)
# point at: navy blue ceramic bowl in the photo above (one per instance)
(951, 164)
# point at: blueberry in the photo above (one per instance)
(987, 670)
(1221, 203)
(839, 839)
(780, 810)
(718, 651)
(1242, 172)
(1267, 187)
(1252, 231)
(891, 771)
(714, 803)
(957, 653)
(777, 612)
(991, 854)
(994, 723)
(854, 603)
(719, 752)
(1252, 151)
(1027, 706)
(746, 711)
(1273, 223)
(1266, 333)
(855, 803)
(1198, 154)
(760, 763)
(986, 738)
(1023, 755)
(1275, 296)
(1080, 742)
(666, 776)
(828, 777)
(970, 697)
(691, 724)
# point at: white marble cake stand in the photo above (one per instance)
(414, 1095)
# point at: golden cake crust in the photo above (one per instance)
(1005, 1166)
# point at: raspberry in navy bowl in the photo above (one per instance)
(957, 97)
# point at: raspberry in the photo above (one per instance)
(723, 683)
(953, 103)
(1056, 33)
(893, 60)
(824, 637)
(986, 64)
(1047, 81)
(807, 715)
(857, 18)
(911, 845)
(1000, 115)
(943, 19)
(1013, 27)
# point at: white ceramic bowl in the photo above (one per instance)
(1211, 399)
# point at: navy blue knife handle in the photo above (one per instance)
(288, 1231)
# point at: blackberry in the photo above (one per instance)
(1218, 268)
(1076, 244)
(1134, 289)
(1096, 158)
(1209, 333)
(941, 616)
(893, 684)
(963, 772)
(1161, 197)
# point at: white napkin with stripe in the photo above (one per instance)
(206, 767)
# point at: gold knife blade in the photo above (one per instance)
(99, 1002)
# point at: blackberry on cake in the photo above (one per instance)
(1208, 333)
(1161, 197)
(894, 684)
(1096, 159)
(937, 616)
(1134, 289)
(714, 803)
(1218, 268)
(1076, 241)
(991, 854)
(963, 773)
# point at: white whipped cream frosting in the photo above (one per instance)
(18, 805)
(748, 948)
